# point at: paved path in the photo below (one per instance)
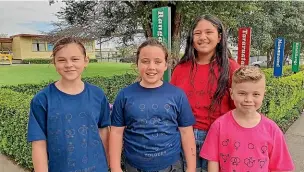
(6, 165)
(295, 140)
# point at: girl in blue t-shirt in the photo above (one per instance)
(151, 119)
(69, 119)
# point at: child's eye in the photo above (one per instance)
(256, 94)
(158, 62)
(61, 60)
(75, 59)
(241, 93)
(145, 62)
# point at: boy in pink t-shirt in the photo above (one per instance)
(244, 140)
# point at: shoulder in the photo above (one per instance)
(174, 90)
(129, 90)
(233, 65)
(221, 122)
(182, 67)
(271, 126)
(95, 89)
(42, 96)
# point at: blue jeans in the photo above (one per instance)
(201, 163)
(200, 136)
(176, 167)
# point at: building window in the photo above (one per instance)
(38, 45)
(50, 47)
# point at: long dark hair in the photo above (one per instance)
(220, 58)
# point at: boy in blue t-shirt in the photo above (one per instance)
(152, 120)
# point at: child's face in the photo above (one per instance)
(205, 37)
(248, 96)
(151, 66)
(70, 62)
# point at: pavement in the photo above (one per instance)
(295, 141)
(294, 138)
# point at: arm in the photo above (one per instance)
(104, 135)
(116, 136)
(213, 166)
(188, 144)
(39, 156)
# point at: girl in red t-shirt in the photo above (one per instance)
(204, 73)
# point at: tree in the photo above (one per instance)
(124, 19)
(274, 19)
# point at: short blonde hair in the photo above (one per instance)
(247, 73)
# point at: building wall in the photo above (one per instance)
(23, 49)
(16, 48)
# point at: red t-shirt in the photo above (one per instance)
(200, 93)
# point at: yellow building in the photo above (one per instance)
(29, 46)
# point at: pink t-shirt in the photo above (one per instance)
(238, 149)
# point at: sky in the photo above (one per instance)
(32, 17)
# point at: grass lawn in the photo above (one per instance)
(36, 73)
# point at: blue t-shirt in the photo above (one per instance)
(69, 124)
(151, 117)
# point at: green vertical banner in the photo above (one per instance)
(296, 50)
(161, 21)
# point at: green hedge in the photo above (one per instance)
(283, 96)
(110, 85)
(283, 103)
(14, 109)
(45, 61)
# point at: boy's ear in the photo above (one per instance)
(231, 93)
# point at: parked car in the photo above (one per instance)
(260, 63)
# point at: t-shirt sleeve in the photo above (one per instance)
(279, 157)
(175, 75)
(37, 124)
(185, 117)
(104, 118)
(117, 117)
(209, 149)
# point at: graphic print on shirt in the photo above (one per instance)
(142, 107)
(250, 146)
(235, 161)
(84, 143)
(249, 161)
(68, 117)
(71, 147)
(225, 157)
(70, 133)
(155, 107)
(237, 145)
(83, 130)
(262, 162)
(225, 142)
(264, 149)
(167, 107)
(82, 115)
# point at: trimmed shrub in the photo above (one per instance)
(14, 109)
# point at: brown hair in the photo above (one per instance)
(247, 73)
(65, 41)
(151, 42)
